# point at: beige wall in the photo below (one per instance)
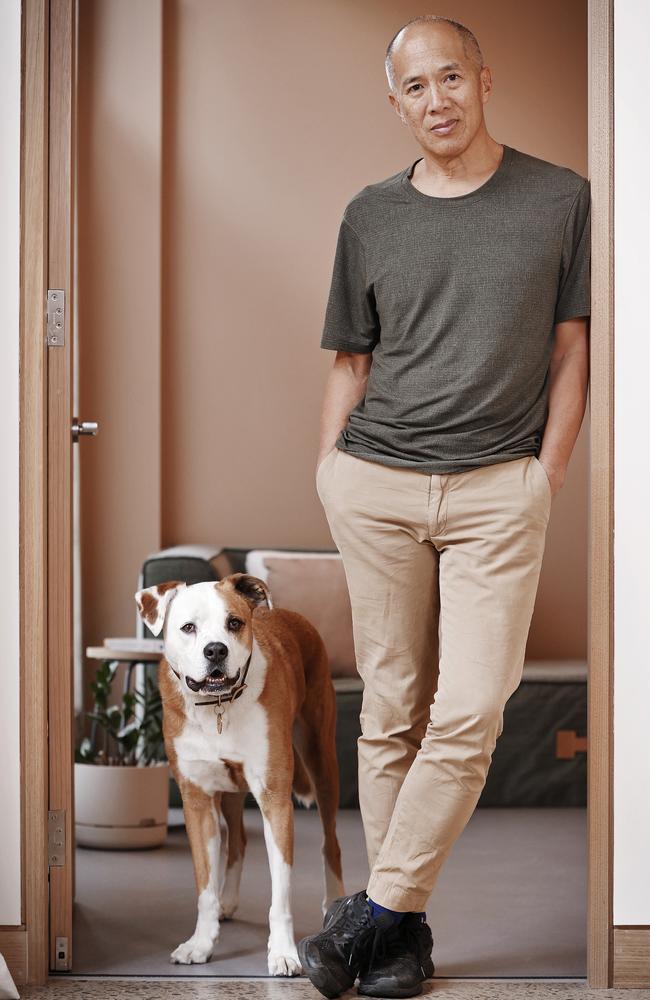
(119, 302)
(215, 237)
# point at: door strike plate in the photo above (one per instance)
(61, 958)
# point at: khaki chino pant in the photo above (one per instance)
(442, 572)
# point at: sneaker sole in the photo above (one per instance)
(388, 988)
(320, 976)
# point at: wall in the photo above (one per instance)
(119, 303)
(274, 115)
(631, 904)
(10, 861)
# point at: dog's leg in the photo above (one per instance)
(274, 800)
(232, 807)
(204, 833)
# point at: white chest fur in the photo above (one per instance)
(202, 750)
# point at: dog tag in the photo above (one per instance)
(219, 718)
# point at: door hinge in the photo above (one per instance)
(55, 317)
(56, 837)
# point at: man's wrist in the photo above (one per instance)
(553, 462)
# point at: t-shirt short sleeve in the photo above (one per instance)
(574, 292)
(351, 320)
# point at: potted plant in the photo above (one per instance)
(121, 785)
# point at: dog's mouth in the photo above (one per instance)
(212, 685)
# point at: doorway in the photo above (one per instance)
(168, 519)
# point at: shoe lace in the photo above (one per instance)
(382, 938)
(411, 941)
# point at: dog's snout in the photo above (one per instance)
(215, 652)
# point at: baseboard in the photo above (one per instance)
(631, 959)
(13, 946)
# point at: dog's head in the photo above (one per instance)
(207, 627)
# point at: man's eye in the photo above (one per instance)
(188, 627)
(449, 76)
(235, 623)
(413, 85)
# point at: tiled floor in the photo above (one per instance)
(242, 989)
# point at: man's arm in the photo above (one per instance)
(569, 379)
(345, 387)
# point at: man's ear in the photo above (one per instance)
(252, 588)
(153, 603)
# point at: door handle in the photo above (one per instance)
(85, 427)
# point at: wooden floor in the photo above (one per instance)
(63, 988)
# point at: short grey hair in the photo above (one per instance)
(470, 44)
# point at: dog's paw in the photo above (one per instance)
(227, 908)
(192, 952)
(284, 963)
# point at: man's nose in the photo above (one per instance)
(435, 98)
(215, 652)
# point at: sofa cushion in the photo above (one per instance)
(313, 584)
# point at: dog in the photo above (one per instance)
(248, 704)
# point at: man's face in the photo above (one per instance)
(436, 81)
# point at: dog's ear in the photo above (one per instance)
(153, 603)
(252, 588)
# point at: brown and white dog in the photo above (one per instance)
(248, 703)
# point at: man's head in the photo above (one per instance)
(436, 73)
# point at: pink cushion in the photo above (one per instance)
(313, 584)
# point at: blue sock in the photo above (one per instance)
(377, 908)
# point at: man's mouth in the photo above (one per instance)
(212, 685)
(444, 127)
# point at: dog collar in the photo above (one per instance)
(227, 696)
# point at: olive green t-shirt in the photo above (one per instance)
(457, 298)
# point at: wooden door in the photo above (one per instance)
(59, 479)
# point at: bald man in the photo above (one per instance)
(458, 311)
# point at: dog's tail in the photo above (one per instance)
(303, 786)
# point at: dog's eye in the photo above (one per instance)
(235, 623)
(187, 627)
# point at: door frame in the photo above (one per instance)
(601, 951)
(26, 947)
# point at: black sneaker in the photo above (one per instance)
(406, 964)
(351, 938)
(338, 903)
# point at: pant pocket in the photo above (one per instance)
(541, 472)
(544, 475)
(324, 467)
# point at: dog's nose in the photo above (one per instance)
(215, 652)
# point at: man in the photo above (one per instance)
(459, 312)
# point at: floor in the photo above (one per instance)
(510, 902)
(441, 989)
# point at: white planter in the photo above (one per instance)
(121, 807)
